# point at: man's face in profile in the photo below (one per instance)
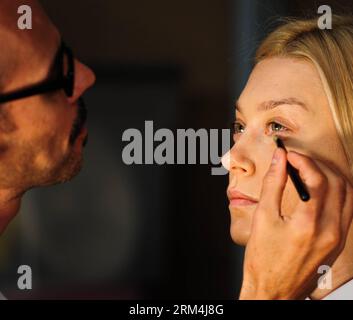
(42, 136)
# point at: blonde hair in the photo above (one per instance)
(331, 51)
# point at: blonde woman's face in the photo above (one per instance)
(283, 97)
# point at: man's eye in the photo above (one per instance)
(276, 127)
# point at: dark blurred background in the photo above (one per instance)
(144, 231)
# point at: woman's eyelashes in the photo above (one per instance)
(277, 127)
(271, 128)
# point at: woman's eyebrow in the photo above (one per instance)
(271, 104)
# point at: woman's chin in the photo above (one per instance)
(240, 238)
(240, 229)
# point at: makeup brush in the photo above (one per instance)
(294, 174)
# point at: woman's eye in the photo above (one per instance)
(276, 127)
(238, 128)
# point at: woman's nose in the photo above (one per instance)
(234, 160)
(226, 160)
(84, 79)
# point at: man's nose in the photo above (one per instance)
(84, 79)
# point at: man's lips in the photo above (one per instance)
(82, 137)
(79, 122)
(236, 198)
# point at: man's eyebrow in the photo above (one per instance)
(271, 104)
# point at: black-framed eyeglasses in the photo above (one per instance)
(58, 78)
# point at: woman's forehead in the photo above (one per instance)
(276, 80)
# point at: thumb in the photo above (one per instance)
(274, 183)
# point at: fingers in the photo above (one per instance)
(335, 197)
(334, 190)
(331, 194)
(273, 184)
(314, 179)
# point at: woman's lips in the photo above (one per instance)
(236, 198)
(241, 202)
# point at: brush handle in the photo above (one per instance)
(298, 183)
(294, 175)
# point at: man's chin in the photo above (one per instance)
(71, 172)
(66, 171)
